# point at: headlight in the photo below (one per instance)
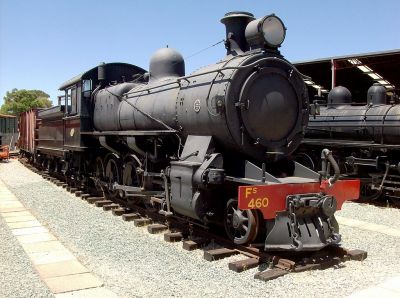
(274, 31)
(268, 31)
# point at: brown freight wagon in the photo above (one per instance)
(28, 132)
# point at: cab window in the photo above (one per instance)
(73, 101)
(86, 88)
(68, 100)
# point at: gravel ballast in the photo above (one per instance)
(132, 262)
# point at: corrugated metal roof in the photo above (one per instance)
(357, 72)
(351, 56)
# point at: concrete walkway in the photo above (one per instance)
(388, 289)
(63, 274)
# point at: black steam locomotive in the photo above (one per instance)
(365, 139)
(211, 147)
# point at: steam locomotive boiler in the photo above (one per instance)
(364, 137)
(212, 147)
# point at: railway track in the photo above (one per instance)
(194, 237)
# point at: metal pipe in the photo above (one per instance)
(327, 154)
(103, 142)
(383, 179)
(352, 125)
(167, 196)
(333, 70)
(131, 142)
(263, 178)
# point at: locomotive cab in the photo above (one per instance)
(79, 99)
(63, 126)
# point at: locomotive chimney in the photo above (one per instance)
(101, 72)
(235, 23)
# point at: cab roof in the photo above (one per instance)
(115, 71)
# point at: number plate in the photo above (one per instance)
(272, 198)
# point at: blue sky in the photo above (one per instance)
(45, 42)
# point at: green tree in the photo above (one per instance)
(18, 101)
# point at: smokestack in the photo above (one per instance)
(235, 23)
(101, 72)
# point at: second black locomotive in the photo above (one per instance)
(364, 137)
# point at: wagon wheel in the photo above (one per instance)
(241, 226)
(50, 166)
(97, 176)
(99, 169)
(65, 171)
(130, 176)
(368, 194)
(57, 167)
(112, 175)
(43, 164)
(81, 177)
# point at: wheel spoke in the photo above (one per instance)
(130, 176)
(245, 221)
(112, 176)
